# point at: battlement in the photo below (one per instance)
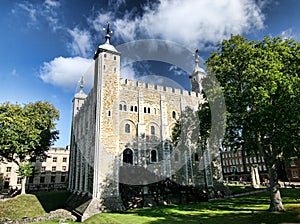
(160, 88)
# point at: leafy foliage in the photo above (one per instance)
(26, 132)
(261, 84)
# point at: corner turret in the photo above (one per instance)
(79, 98)
(197, 76)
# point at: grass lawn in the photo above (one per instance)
(250, 209)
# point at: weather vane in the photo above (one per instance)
(107, 29)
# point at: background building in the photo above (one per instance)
(50, 172)
(292, 166)
(237, 165)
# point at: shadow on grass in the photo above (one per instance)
(251, 209)
(52, 200)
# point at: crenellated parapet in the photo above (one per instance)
(159, 88)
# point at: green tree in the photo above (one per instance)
(26, 133)
(261, 85)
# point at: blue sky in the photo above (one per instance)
(46, 45)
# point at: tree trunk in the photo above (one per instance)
(23, 185)
(276, 201)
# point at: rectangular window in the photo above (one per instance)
(52, 179)
(19, 181)
(64, 159)
(53, 168)
(62, 178)
(292, 163)
(294, 173)
(42, 179)
(8, 169)
(43, 169)
(64, 168)
(54, 159)
(30, 179)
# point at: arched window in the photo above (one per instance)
(127, 128)
(131, 108)
(152, 130)
(153, 156)
(135, 108)
(174, 115)
(120, 107)
(148, 110)
(128, 156)
(196, 157)
(145, 109)
(125, 107)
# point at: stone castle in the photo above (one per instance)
(121, 132)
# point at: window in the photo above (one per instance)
(115, 58)
(115, 69)
(53, 168)
(294, 173)
(125, 108)
(109, 113)
(105, 55)
(43, 169)
(127, 128)
(120, 107)
(153, 158)
(42, 179)
(64, 168)
(62, 178)
(196, 157)
(52, 179)
(30, 179)
(292, 163)
(8, 169)
(152, 130)
(54, 159)
(131, 108)
(128, 156)
(145, 109)
(264, 167)
(64, 159)
(19, 180)
(135, 108)
(174, 115)
(148, 110)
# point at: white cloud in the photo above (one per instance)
(128, 72)
(176, 71)
(193, 22)
(81, 44)
(30, 9)
(52, 3)
(286, 34)
(64, 72)
(47, 10)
